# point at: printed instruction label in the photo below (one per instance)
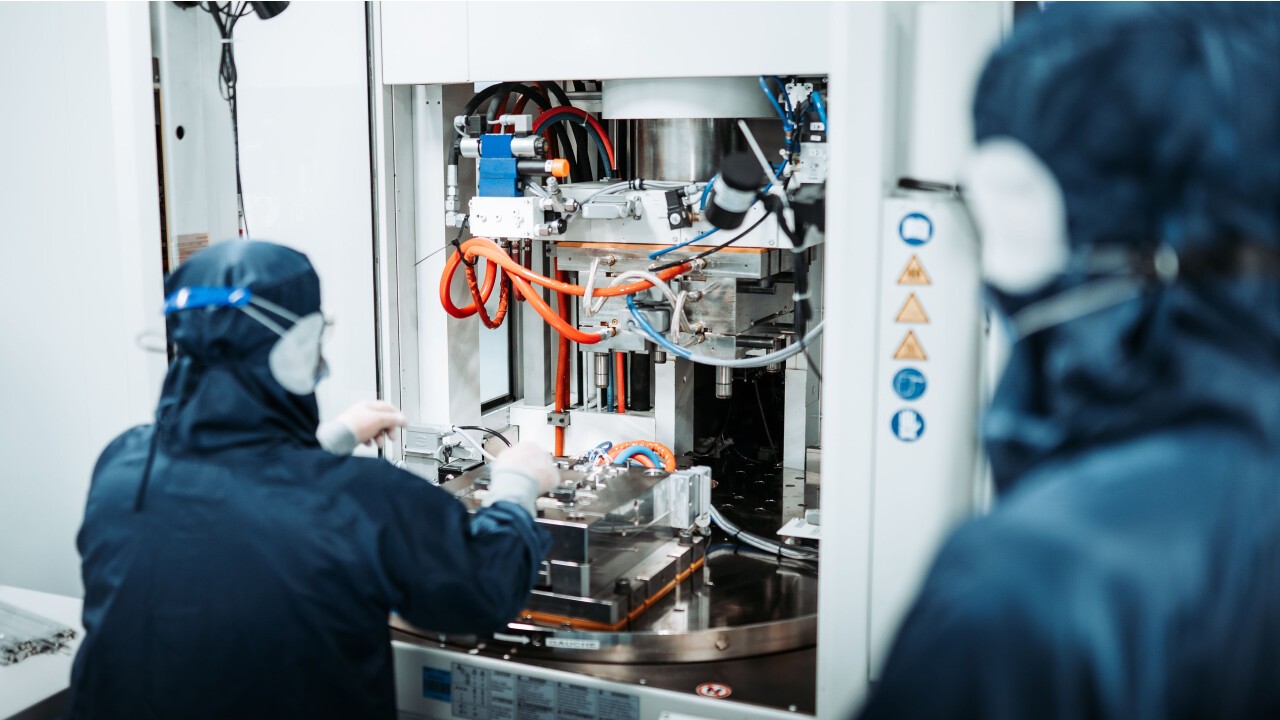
(484, 694)
(191, 244)
(571, 644)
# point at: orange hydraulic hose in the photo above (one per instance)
(488, 249)
(514, 275)
(620, 387)
(642, 459)
(446, 281)
(478, 300)
(558, 323)
(664, 452)
(562, 365)
(521, 277)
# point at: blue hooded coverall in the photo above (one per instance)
(1131, 568)
(234, 569)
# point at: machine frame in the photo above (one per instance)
(423, 353)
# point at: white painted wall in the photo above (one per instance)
(80, 267)
(80, 248)
(304, 157)
(199, 167)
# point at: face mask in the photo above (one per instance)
(1018, 208)
(295, 360)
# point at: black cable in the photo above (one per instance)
(497, 91)
(228, 77)
(456, 242)
(470, 109)
(576, 121)
(764, 418)
(799, 116)
(581, 155)
(486, 430)
(534, 96)
(581, 152)
(813, 367)
(803, 309)
(476, 100)
(543, 103)
(717, 248)
(235, 138)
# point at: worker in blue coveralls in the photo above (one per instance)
(1127, 187)
(238, 562)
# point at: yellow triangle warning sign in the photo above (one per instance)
(914, 274)
(911, 311)
(910, 349)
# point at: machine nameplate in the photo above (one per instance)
(483, 694)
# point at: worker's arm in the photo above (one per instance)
(361, 424)
(452, 571)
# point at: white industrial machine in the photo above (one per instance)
(672, 246)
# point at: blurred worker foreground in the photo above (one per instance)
(1129, 171)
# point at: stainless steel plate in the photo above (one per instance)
(742, 606)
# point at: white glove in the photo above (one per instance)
(366, 422)
(520, 474)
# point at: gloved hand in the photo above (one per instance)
(366, 422)
(520, 474)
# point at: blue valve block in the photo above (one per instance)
(497, 173)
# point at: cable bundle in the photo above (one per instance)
(23, 634)
(226, 16)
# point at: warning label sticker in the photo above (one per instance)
(911, 311)
(191, 244)
(914, 274)
(483, 694)
(715, 690)
(910, 349)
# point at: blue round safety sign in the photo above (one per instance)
(907, 425)
(909, 383)
(915, 229)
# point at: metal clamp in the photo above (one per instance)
(558, 419)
